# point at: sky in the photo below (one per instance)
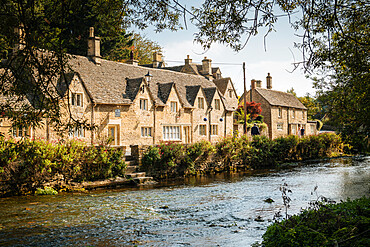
(277, 59)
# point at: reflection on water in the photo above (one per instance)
(198, 211)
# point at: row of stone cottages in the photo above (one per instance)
(149, 104)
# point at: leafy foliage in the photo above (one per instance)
(27, 165)
(342, 224)
(171, 160)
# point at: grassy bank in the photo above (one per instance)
(343, 224)
(26, 165)
(229, 154)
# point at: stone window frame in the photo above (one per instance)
(146, 132)
(172, 133)
(202, 129)
(77, 131)
(302, 114)
(217, 104)
(21, 132)
(143, 104)
(278, 126)
(293, 113)
(77, 99)
(214, 129)
(174, 106)
(280, 112)
(200, 102)
(230, 93)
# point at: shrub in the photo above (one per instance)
(342, 224)
(26, 165)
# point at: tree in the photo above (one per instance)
(50, 30)
(253, 111)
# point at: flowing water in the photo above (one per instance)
(219, 210)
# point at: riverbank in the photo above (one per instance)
(31, 166)
(323, 224)
(169, 160)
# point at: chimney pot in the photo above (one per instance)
(253, 84)
(188, 60)
(157, 58)
(268, 81)
(93, 49)
(207, 67)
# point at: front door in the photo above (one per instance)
(112, 134)
(187, 134)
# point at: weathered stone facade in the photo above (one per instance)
(283, 113)
(135, 105)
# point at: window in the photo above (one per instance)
(230, 93)
(144, 104)
(171, 133)
(202, 130)
(302, 114)
(217, 104)
(201, 103)
(280, 126)
(76, 132)
(117, 113)
(146, 131)
(214, 129)
(173, 106)
(20, 132)
(77, 99)
(280, 112)
(312, 129)
(293, 115)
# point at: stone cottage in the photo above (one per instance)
(142, 105)
(283, 113)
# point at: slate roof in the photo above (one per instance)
(191, 93)
(107, 83)
(210, 93)
(278, 98)
(164, 90)
(222, 84)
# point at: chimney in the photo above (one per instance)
(206, 66)
(258, 83)
(268, 81)
(132, 60)
(20, 44)
(253, 84)
(157, 59)
(188, 60)
(93, 50)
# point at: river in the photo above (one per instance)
(219, 210)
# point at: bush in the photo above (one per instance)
(343, 224)
(26, 165)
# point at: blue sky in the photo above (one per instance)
(277, 59)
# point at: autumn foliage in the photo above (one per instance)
(253, 108)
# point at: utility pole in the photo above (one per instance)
(245, 102)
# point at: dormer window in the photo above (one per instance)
(201, 103)
(77, 99)
(173, 106)
(230, 93)
(217, 104)
(144, 104)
